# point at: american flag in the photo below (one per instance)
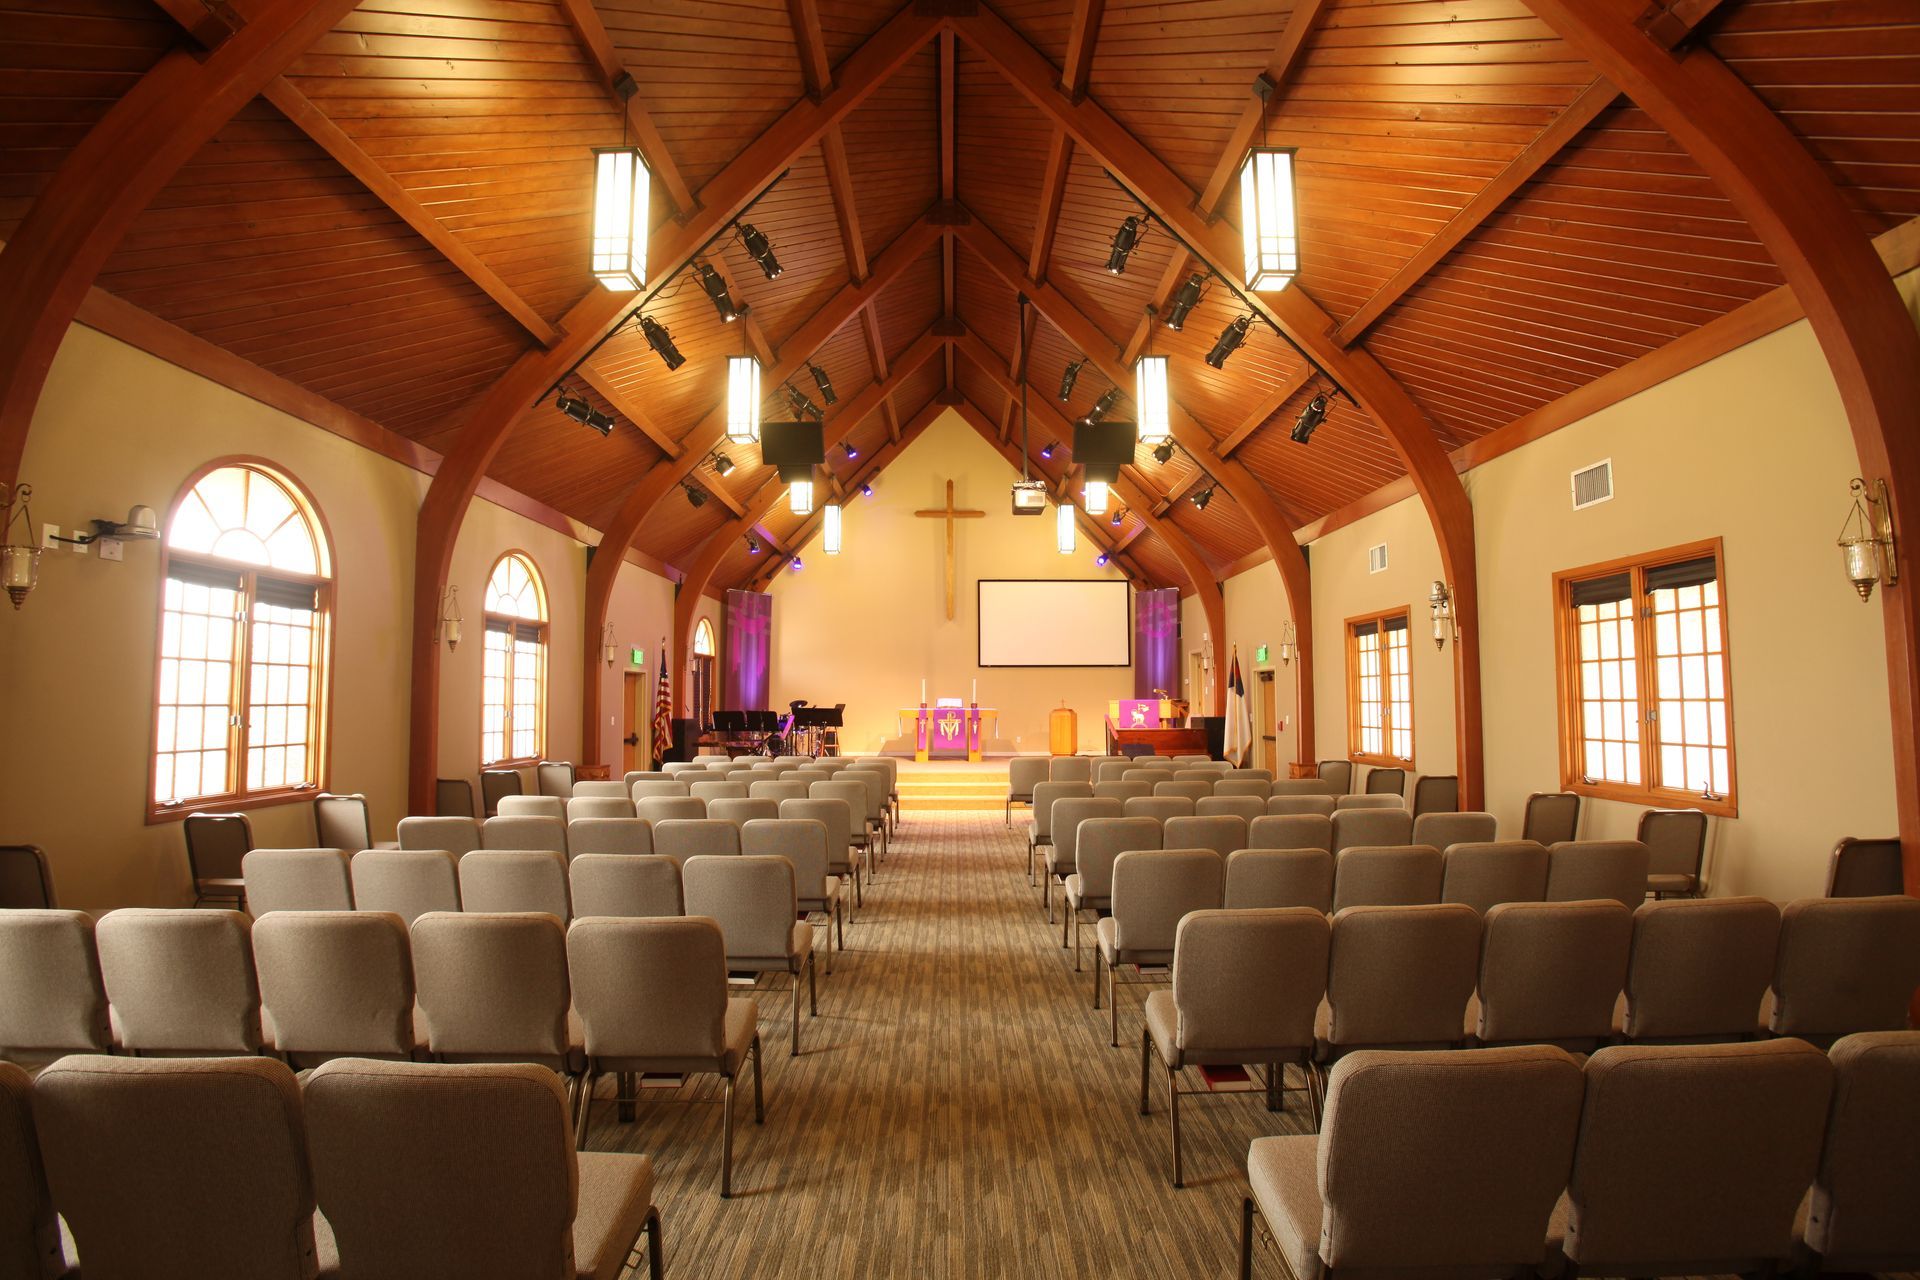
(663, 710)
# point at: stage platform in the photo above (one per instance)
(950, 785)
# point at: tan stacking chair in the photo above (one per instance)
(454, 835)
(1306, 787)
(628, 835)
(876, 783)
(556, 778)
(493, 987)
(453, 798)
(1258, 788)
(1388, 876)
(803, 842)
(683, 838)
(1845, 965)
(891, 767)
(1444, 830)
(1585, 869)
(1152, 891)
(1228, 774)
(1372, 828)
(297, 880)
(632, 776)
(179, 1169)
(1106, 770)
(658, 809)
(1226, 1009)
(776, 791)
(675, 768)
(598, 807)
(496, 785)
(1292, 831)
(756, 903)
(1861, 1216)
(1435, 793)
(26, 882)
(1387, 782)
(1024, 773)
(1692, 1159)
(30, 1246)
(1552, 817)
(741, 812)
(1121, 790)
(1195, 791)
(1260, 879)
(1551, 973)
(515, 832)
(1040, 825)
(1188, 773)
(650, 787)
(1245, 808)
(1097, 842)
(423, 1169)
(342, 822)
(540, 806)
(1864, 869)
(1057, 862)
(708, 791)
(1222, 833)
(1393, 804)
(335, 984)
(1071, 769)
(652, 996)
(1698, 969)
(624, 884)
(1427, 1164)
(1160, 808)
(407, 882)
(515, 880)
(859, 802)
(1482, 874)
(1147, 774)
(1399, 978)
(52, 1001)
(1676, 841)
(602, 790)
(216, 845)
(180, 983)
(837, 817)
(1338, 774)
(1188, 762)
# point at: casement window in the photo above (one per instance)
(1646, 710)
(1380, 689)
(513, 699)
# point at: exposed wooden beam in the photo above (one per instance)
(1270, 404)
(1127, 538)
(816, 72)
(208, 23)
(1082, 36)
(625, 406)
(1053, 190)
(749, 323)
(947, 142)
(1669, 22)
(877, 357)
(1565, 127)
(593, 37)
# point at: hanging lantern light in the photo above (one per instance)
(1866, 539)
(1440, 600)
(743, 399)
(830, 529)
(1289, 644)
(800, 497)
(621, 189)
(1269, 214)
(1063, 527)
(450, 618)
(19, 561)
(1095, 496)
(1150, 399)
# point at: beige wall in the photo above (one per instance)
(1257, 609)
(115, 427)
(865, 627)
(642, 616)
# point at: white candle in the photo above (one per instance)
(976, 693)
(923, 691)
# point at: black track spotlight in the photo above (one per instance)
(718, 293)
(753, 545)
(1109, 400)
(1229, 341)
(822, 381)
(851, 452)
(1202, 498)
(1185, 301)
(801, 405)
(1119, 514)
(1123, 242)
(722, 464)
(696, 496)
(1163, 452)
(1067, 378)
(577, 408)
(1047, 452)
(1310, 419)
(662, 343)
(759, 250)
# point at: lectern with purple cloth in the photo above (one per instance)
(946, 731)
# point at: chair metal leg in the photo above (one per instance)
(726, 1138)
(1113, 1002)
(759, 1099)
(1046, 892)
(793, 1051)
(1066, 917)
(628, 1087)
(1246, 1238)
(1076, 941)
(839, 926)
(813, 989)
(586, 1107)
(1274, 1090)
(656, 1253)
(1173, 1112)
(1146, 1046)
(1098, 957)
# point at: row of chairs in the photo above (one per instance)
(1273, 986)
(604, 996)
(233, 1167)
(1648, 1160)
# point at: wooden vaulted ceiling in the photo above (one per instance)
(404, 213)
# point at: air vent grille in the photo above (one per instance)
(1377, 558)
(1593, 484)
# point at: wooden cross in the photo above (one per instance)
(950, 513)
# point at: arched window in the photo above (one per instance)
(703, 638)
(241, 704)
(513, 684)
(700, 671)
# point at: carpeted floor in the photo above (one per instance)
(956, 1110)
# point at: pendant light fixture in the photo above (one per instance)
(1269, 214)
(1095, 497)
(622, 187)
(800, 497)
(743, 399)
(1150, 400)
(830, 529)
(1063, 527)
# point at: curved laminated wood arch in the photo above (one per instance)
(123, 162)
(1216, 245)
(486, 426)
(1869, 339)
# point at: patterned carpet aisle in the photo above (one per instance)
(956, 1111)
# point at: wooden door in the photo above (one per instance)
(1269, 753)
(1198, 702)
(634, 698)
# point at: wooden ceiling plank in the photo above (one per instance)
(599, 46)
(614, 395)
(1566, 126)
(1269, 405)
(331, 138)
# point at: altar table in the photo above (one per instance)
(946, 733)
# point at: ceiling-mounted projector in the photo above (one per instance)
(1030, 498)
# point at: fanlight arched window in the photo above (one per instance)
(700, 672)
(513, 700)
(703, 638)
(241, 702)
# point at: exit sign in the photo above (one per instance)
(1260, 654)
(639, 657)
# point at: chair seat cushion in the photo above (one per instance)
(1104, 934)
(1669, 882)
(615, 1193)
(1078, 901)
(1163, 1024)
(1286, 1185)
(741, 1025)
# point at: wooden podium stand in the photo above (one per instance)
(946, 733)
(1145, 723)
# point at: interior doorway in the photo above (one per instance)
(1198, 702)
(633, 697)
(1269, 723)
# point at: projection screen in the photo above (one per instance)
(1055, 623)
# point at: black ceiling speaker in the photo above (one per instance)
(795, 448)
(1102, 448)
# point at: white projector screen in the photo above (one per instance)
(1055, 623)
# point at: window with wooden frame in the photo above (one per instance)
(700, 690)
(1380, 689)
(240, 704)
(513, 680)
(1646, 707)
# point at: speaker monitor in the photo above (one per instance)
(793, 447)
(1102, 448)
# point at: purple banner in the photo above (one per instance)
(1156, 643)
(746, 648)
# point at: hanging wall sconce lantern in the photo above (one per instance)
(19, 561)
(1289, 643)
(450, 617)
(1444, 626)
(1866, 539)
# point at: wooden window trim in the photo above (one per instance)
(1567, 682)
(320, 712)
(514, 621)
(1387, 760)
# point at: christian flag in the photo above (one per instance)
(1239, 735)
(663, 711)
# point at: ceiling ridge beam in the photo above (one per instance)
(601, 51)
(301, 112)
(1555, 138)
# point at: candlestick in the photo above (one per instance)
(923, 691)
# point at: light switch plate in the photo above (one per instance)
(48, 535)
(111, 549)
